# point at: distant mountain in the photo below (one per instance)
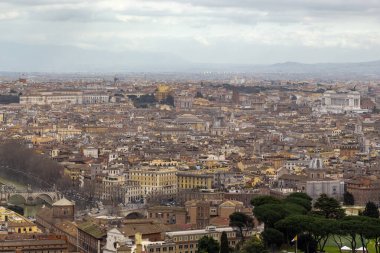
(45, 58)
(366, 68)
(360, 70)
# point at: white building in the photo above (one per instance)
(115, 239)
(58, 97)
(91, 152)
(340, 102)
(332, 188)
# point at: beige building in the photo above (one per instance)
(168, 215)
(188, 180)
(155, 180)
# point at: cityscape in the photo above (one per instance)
(189, 149)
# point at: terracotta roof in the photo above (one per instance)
(92, 229)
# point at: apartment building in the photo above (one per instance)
(155, 180)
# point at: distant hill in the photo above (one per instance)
(295, 67)
(59, 59)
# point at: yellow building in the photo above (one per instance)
(163, 91)
(42, 140)
(161, 163)
(155, 179)
(15, 223)
(191, 180)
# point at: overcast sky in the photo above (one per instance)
(198, 31)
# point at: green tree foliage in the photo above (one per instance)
(371, 210)
(318, 228)
(374, 232)
(294, 225)
(329, 207)
(272, 238)
(253, 245)
(198, 95)
(321, 230)
(169, 100)
(207, 244)
(307, 243)
(348, 199)
(143, 101)
(262, 200)
(305, 203)
(356, 229)
(224, 248)
(291, 208)
(300, 195)
(241, 221)
(269, 214)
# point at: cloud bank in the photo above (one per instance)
(204, 31)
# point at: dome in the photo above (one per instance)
(63, 202)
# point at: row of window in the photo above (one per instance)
(164, 249)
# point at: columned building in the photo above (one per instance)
(340, 102)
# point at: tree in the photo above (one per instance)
(305, 203)
(262, 200)
(269, 214)
(348, 199)
(224, 248)
(198, 95)
(253, 245)
(356, 227)
(329, 207)
(321, 229)
(301, 195)
(294, 225)
(371, 210)
(169, 100)
(292, 209)
(307, 243)
(374, 233)
(241, 221)
(207, 244)
(272, 238)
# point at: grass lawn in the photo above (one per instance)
(332, 248)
